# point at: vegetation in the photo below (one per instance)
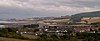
(78, 37)
(88, 14)
(78, 16)
(10, 39)
(31, 26)
(10, 33)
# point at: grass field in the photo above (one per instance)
(30, 36)
(10, 39)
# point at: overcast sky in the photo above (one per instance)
(40, 8)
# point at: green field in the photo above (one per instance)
(30, 36)
(10, 39)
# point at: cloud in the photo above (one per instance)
(31, 8)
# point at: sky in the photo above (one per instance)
(43, 8)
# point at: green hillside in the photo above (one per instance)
(77, 17)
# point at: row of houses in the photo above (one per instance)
(56, 26)
(62, 26)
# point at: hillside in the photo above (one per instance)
(77, 17)
(88, 14)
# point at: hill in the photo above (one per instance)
(88, 14)
(77, 17)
